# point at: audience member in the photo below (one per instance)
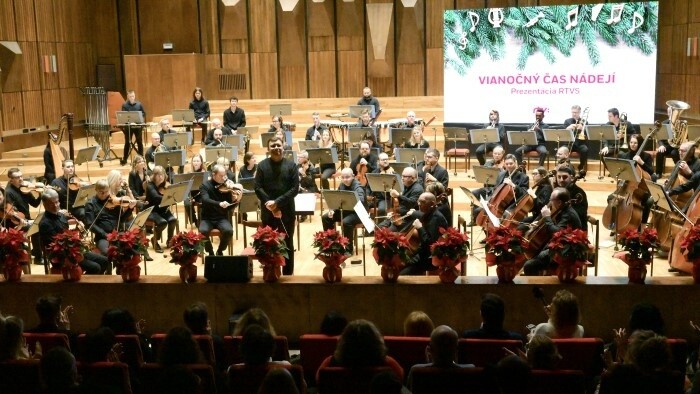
(646, 316)
(417, 324)
(59, 372)
(196, 318)
(258, 346)
(100, 345)
(278, 381)
(333, 324)
(386, 383)
(542, 353)
(513, 376)
(122, 322)
(54, 319)
(563, 317)
(12, 343)
(179, 348)
(178, 379)
(441, 352)
(253, 316)
(493, 312)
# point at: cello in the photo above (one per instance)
(525, 204)
(502, 197)
(676, 258)
(538, 236)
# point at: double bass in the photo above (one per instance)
(676, 258)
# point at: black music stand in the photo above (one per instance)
(249, 132)
(237, 140)
(522, 138)
(290, 155)
(620, 169)
(383, 183)
(399, 136)
(34, 227)
(343, 200)
(85, 193)
(171, 158)
(484, 136)
(665, 131)
(176, 193)
(320, 156)
(184, 116)
(558, 136)
(359, 134)
(306, 145)
(212, 153)
(248, 184)
(399, 166)
(249, 203)
(140, 219)
(601, 133)
(412, 155)
(454, 135)
(304, 204)
(280, 109)
(176, 140)
(129, 118)
(693, 132)
(86, 155)
(197, 178)
(486, 175)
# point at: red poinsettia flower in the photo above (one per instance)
(569, 245)
(126, 247)
(389, 244)
(268, 242)
(505, 244)
(67, 248)
(13, 249)
(639, 245)
(330, 242)
(451, 244)
(690, 245)
(184, 245)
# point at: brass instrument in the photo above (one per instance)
(680, 127)
(580, 134)
(623, 130)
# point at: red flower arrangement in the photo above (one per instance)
(186, 246)
(690, 246)
(331, 245)
(451, 245)
(126, 248)
(269, 246)
(67, 248)
(639, 245)
(388, 245)
(569, 245)
(13, 249)
(506, 245)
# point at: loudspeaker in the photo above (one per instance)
(225, 269)
(10, 66)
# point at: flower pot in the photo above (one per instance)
(332, 273)
(71, 273)
(637, 273)
(12, 272)
(507, 272)
(567, 272)
(390, 273)
(188, 273)
(448, 275)
(131, 273)
(271, 272)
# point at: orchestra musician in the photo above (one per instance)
(102, 218)
(427, 221)
(282, 134)
(131, 105)
(217, 138)
(443, 205)
(614, 120)
(56, 222)
(250, 165)
(366, 121)
(380, 200)
(313, 133)
(217, 197)
(665, 149)
(21, 202)
(161, 216)
(216, 125)
(349, 217)
(511, 176)
(165, 128)
(408, 199)
(138, 178)
(66, 195)
(416, 141)
(430, 170)
(195, 197)
(410, 121)
(690, 170)
(4, 222)
(643, 161)
(559, 202)
(496, 158)
(576, 124)
(224, 162)
(542, 191)
(562, 157)
(368, 99)
(276, 185)
(494, 123)
(200, 106)
(566, 179)
(234, 117)
(156, 147)
(327, 169)
(541, 148)
(49, 168)
(307, 173)
(365, 158)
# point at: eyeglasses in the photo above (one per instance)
(407, 176)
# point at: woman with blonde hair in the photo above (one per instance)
(253, 316)
(417, 141)
(138, 177)
(12, 343)
(161, 216)
(564, 317)
(417, 324)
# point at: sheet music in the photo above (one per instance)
(494, 220)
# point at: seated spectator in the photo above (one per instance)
(258, 346)
(333, 324)
(278, 381)
(386, 383)
(12, 343)
(646, 316)
(417, 324)
(361, 345)
(123, 323)
(253, 316)
(563, 317)
(196, 318)
(442, 351)
(493, 312)
(178, 379)
(179, 348)
(513, 375)
(542, 353)
(59, 372)
(100, 346)
(53, 319)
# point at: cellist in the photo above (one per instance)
(558, 214)
(511, 176)
(365, 162)
(349, 217)
(541, 191)
(485, 191)
(427, 221)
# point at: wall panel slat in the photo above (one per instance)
(435, 75)
(25, 20)
(264, 81)
(462, 4)
(692, 93)
(351, 76)
(33, 110)
(680, 12)
(322, 76)
(410, 59)
(350, 19)
(261, 15)
(7, 21)
(434, 11)
(679, 48)
(291, 36)
(180, 27)
(51, 102)
(31, 80)
(44, 13)
(71, 101)
(321, 49)
(693, 11)
(13, 111)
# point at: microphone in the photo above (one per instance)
(538, 293)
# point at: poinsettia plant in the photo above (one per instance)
(268, 241)
(67, 248)
(569, 245)
(125, 248)
(690, 246)
(330, 242)
(186, 245)
(388, 244)
(452, 244)
(639, 245)
(13, 249)
(505, 244)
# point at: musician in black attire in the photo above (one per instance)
(494, 123)
(689, 170)
(66, 196)
(408, 199)
(234, 117)
(55, 223)
(428, 221)
(217, 138)
(541, 148)
(443, 204)
(559, 201)
(665, 149)
(156, 146)
(512, 176)
(380, 200)
(366, 122)
(314, 132)
(102, 220)
(541, 193)
(161, 216)
(215, 208)
(137, 177)
(49, 170)
(132, 105)
(307, 173)
(276, 184)
(200, 106)
(21, 202)
(580, 144)
(365, 157)
(349, 217)
(250, 165)
(368, 99)
(566, 179)
(430, 170)
(620, 123)
(216, 125)
(644, 161)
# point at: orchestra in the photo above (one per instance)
(541, 148)
(200, 106)
(494, 123)
(348, 217)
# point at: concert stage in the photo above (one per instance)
(296, 305)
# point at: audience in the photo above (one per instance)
(258, 346)
(441, 352)
(121, 322)
(386, 383)
(333, 324)
(417, 324)
(646, 316)
(493, 313)
(563, 317)
(179, 348)
(278, 381)
(54, 319)
(196, 318)
(12, 343)
(59, 372)
(253, 316)
(513, 375)
(100, 345)
(542, 353)
(178, 379)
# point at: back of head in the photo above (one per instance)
(278, 381)
(646, 316)
(48, 308)
(648, 351)
(11, 342)
(98, 344)
(333, 323)
(542, 353)
(119, 320)
(178, 379)
(443, 346)
(360, 345)
(196, 318)
(565, 311)
(493, 311)
(179, 348)
(385, 383)
(253, 316)
(513, 375)
(58, 369)
(417, 324)
(257, 345)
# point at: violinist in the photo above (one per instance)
(250, 165)
(56, 222)
(416, 141)
(430, 170)
(541, 148)
(497, 158)
(541, 191)
(307, 173)
(567, 180)
(327, 169)
(106, 212)
(622, 127)
(557, 215)
(224, 162)
(68, 186)
(21, 202)
(161, 216)
(407, 200)
(314, 132)
(138, 178)
(379, 196)
(427, 221)
(195, 197)
(494, 123)
(118, 186)
(349, 217)
(366, 121)
(562, 157)
(511, 176)
(578, 126)
(366, 160)
(215, 208)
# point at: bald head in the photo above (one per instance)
(443, 346)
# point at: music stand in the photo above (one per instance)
(359, 134)
(185, 116)
(264, 138)
(602, 133)
(558, 135)
(237, 140)
(486, 175)
(352, 152)
(693, 132)
(471, 196)
(247, 130)
(85, 193)
(484, 136)
(409, 155)
(522, 137)
(87, 154)
(399, 166)
(249, 202)
(171, 158)
(306, 145)
(660, 197)
(140, 219)
(172, 140)
(127, 118)
(280, 109)
(34, 228)
(355, 111)
(248, 184)
(290, 155)
(304, 204)
(320, 156)
(665, 131)
(382, 183)
(212, 153)
(175, 193)
(197, 179)
(399, 136)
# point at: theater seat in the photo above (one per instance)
(149, 375)
(339, 380)
(20, 377)
(313, 349)
(408, 351)
(429, 380)
(205, 342)
(232, 346)
(247, 379)
(558, 381)
(484, 352)
(48, 341)
(113, 375)
(585, 354)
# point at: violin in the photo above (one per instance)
(361, 171)
(235, 189)
(163, 187)
(114, 202)
(35, 189)
(74, 183)
(15, 216)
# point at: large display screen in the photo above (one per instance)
(514, 60)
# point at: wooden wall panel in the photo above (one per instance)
(435, 78)
(291, 36)
(321, 48)
(261, 15)
(13, 111)
(25, 21)
(664, 50)
(351, 54)
(209, 26)
(410, 79)
(234, 27)
(128, 28)
(31, 80)
(106, 42)
(381, 61)
(51, 103)
(351, 76)
(66, 65)
(322, 75)
(46, 30)
(679, 47)
(462, 4)
(33, 110)
(692, 93)
(665, 14)
(410, 58)
(693, 63)
(434, 11)
(693, 11)
(263, 77)
(7, 21)
(174, 21)
(680, 12)
(239, 64)
(48, 80)
(71, 101)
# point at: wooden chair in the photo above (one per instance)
(536, 155)
(455, 153)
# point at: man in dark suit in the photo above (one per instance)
(431, 170)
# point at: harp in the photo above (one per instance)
(59, 153)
